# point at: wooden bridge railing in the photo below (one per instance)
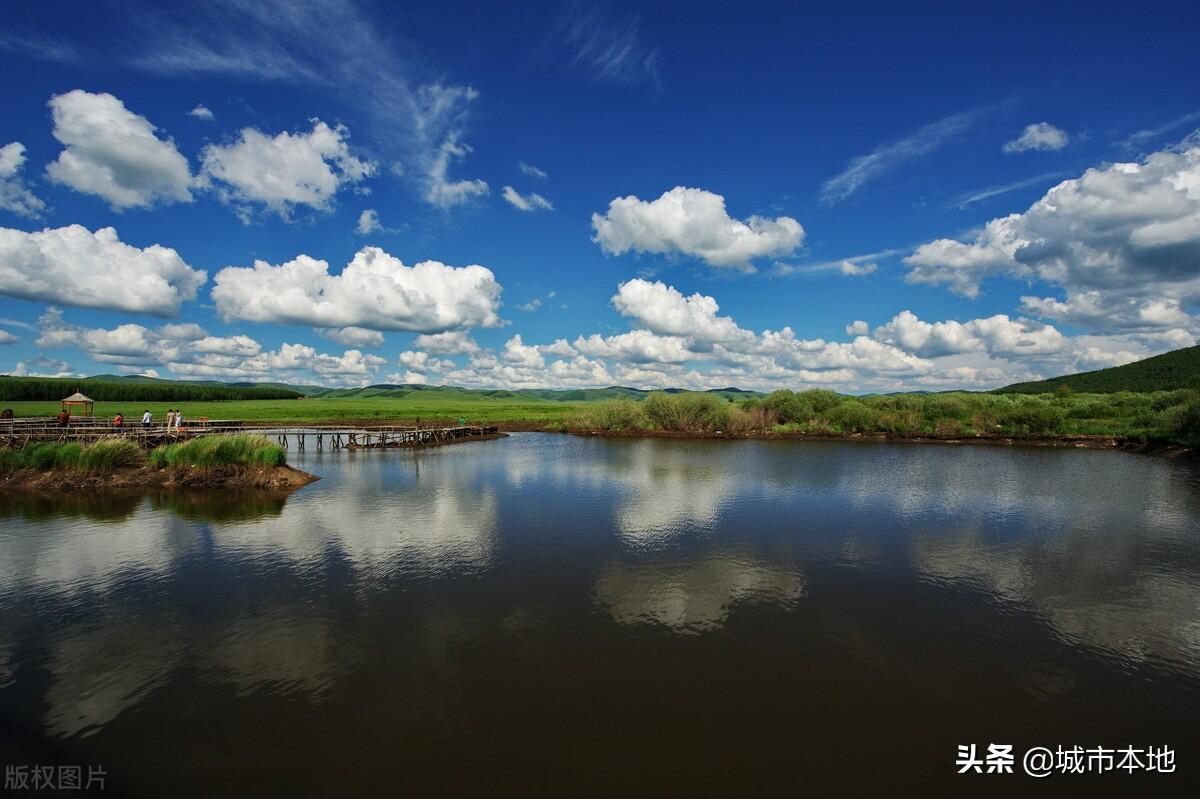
(19, 432)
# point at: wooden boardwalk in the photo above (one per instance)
(17, 433)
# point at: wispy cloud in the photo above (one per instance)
(1144, 136)
(864, 169)
(608, 48)
(526, 202)
(969, 198)
(40, 47)
(325, 45)
(853, 266)
(531, 170)
(536, 302)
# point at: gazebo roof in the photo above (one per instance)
(77, 397)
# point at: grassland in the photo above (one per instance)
(1168, 416)
(426, 406)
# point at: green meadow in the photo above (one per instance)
(426, 406)
(1144, 416)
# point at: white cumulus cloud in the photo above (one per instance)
(285, 170)
(353, 336)
(114, 153)
(665, 310)
(693, 222)
(375, 291)
(73, 266)
(368, 222)
(15, 196)
(201, 112)
(1122, 240)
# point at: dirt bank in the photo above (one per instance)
(145, 478)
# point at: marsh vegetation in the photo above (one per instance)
(110, 455)
(1159, 416)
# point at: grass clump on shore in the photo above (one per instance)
(214, 451)
(1159, 416)
(103, 456)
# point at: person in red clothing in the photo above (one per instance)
(63, 418)
(119, 422)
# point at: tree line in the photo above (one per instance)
(27, 389)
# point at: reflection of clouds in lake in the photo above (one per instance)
(665, 487)
(282, 647)
(101, 669)
(380, 512)
(1055, 488)
(693, 596)
(75, 555)
(1103, 591)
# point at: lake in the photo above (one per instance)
(553, 614)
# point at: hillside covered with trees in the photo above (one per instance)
(1166, 372)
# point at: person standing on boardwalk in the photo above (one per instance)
(146, 418)
(119, 422)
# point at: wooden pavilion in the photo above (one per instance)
(77, 405)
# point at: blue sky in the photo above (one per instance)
(862, 199)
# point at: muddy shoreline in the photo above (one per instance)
(146, 479)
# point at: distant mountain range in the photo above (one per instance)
(20, 388)
(1171, 370)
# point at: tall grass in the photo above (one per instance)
(111, 454)
(1161, 416)
(103, 456)
(213, 451)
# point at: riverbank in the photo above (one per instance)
(149, 478)
(233, 461)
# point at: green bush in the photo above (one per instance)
(1035, 418)
(614, 415)
(686, 412)
(1185, 422)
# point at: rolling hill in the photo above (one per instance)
(1171, 370)
(137, 387)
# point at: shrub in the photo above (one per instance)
(1036, 418)
(794, 408)
(1185, 422)
(852, 416)
(686, 412)
(614, 415)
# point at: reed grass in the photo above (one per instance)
(103, 456)
(215, 451)
(108, 455)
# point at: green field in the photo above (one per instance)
(426, 406)
(1164, 415)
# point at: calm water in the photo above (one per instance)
(560, 615)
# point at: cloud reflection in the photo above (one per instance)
(693, 596)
